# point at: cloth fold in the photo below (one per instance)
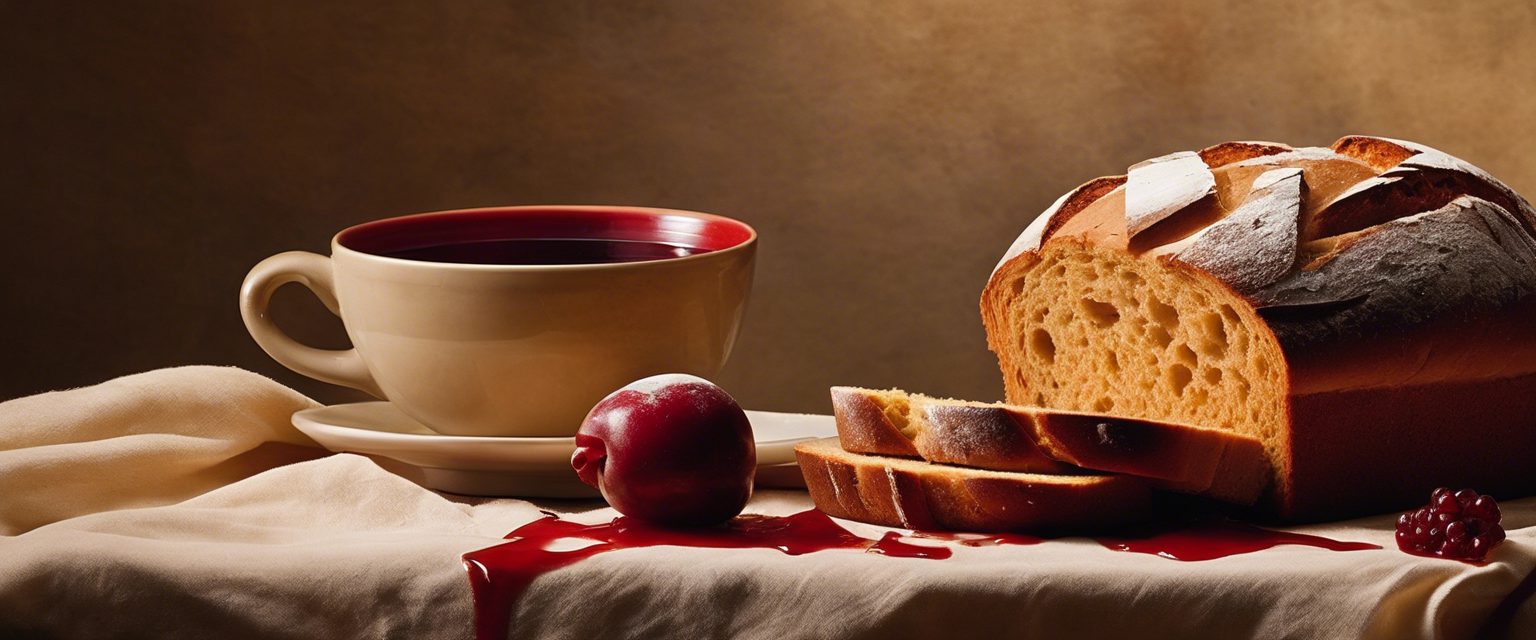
(181, 503)
(142, 440)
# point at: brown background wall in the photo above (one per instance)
(887, 150)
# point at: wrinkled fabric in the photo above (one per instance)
(181, 503)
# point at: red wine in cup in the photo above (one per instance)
(545, 251)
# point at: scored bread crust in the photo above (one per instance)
(913, 494)
(1378, 315)
(1211, 462)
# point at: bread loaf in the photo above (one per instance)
(1363, 310)
(897, 492)
(1211, 462)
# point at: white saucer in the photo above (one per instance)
(524, 467)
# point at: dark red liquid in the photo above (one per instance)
(890, 544)
(499, 574)
(544, 251)
(1220, 538)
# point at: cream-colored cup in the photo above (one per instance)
(481, 349)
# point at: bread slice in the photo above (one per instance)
(912, 494)
(1363, 310)
(1219, 464)
(892, 423)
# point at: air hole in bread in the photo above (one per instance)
(1229, 314)
(1215, 333)
(1111, 362)
(1163, 314)
(1102, 314)
(1186, 356)
(1041, 344)
(1159, 336)
(1178, 378)
(1212, 375)
(1104, 405)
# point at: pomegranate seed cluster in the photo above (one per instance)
(1461, 525)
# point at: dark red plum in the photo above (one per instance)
(672, 449)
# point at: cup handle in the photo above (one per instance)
(344, 366)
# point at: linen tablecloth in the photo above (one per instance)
(181, 503)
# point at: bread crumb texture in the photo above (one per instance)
(1105, 332)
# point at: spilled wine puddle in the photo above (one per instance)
(499, 575)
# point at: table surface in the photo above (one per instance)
(182, 503)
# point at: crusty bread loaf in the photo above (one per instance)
(898, 492)
(1364, 310)
(1212, 462)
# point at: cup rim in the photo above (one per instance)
(338, 241)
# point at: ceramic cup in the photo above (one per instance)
(480, 349)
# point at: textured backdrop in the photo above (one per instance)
(888, 151)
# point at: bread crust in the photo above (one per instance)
(1229, 152)
(1046, 224)
(1467, 258)
(1160, 187)
(1255, 245)
(1414, 274)
(1414, 438)
(912, 494)
(1210, 462)
(1380, 153)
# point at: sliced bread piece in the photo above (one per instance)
(912, 494)
(890, 423)
(1211, 462)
